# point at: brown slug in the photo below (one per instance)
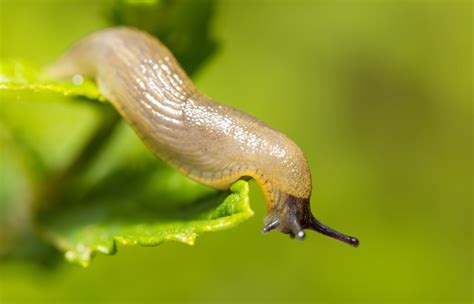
(211, 143)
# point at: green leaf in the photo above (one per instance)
(82, 231)
(17, 76)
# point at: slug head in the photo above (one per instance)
(291, 215)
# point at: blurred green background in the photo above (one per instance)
(378, 94)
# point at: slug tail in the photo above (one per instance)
(60, 70)
(80, 59)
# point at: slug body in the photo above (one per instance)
(209, 142)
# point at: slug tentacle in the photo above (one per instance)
(211, 143)
(292, 215)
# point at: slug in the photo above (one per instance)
(211, 143)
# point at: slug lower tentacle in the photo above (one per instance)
(211, 143)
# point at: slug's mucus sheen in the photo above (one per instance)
(211, 143)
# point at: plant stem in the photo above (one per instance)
(49, 194)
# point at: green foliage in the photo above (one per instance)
(181, 25)
(110, 191)
(99, 225)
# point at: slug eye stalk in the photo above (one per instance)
(323, 229)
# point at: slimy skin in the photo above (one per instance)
(211, 143)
